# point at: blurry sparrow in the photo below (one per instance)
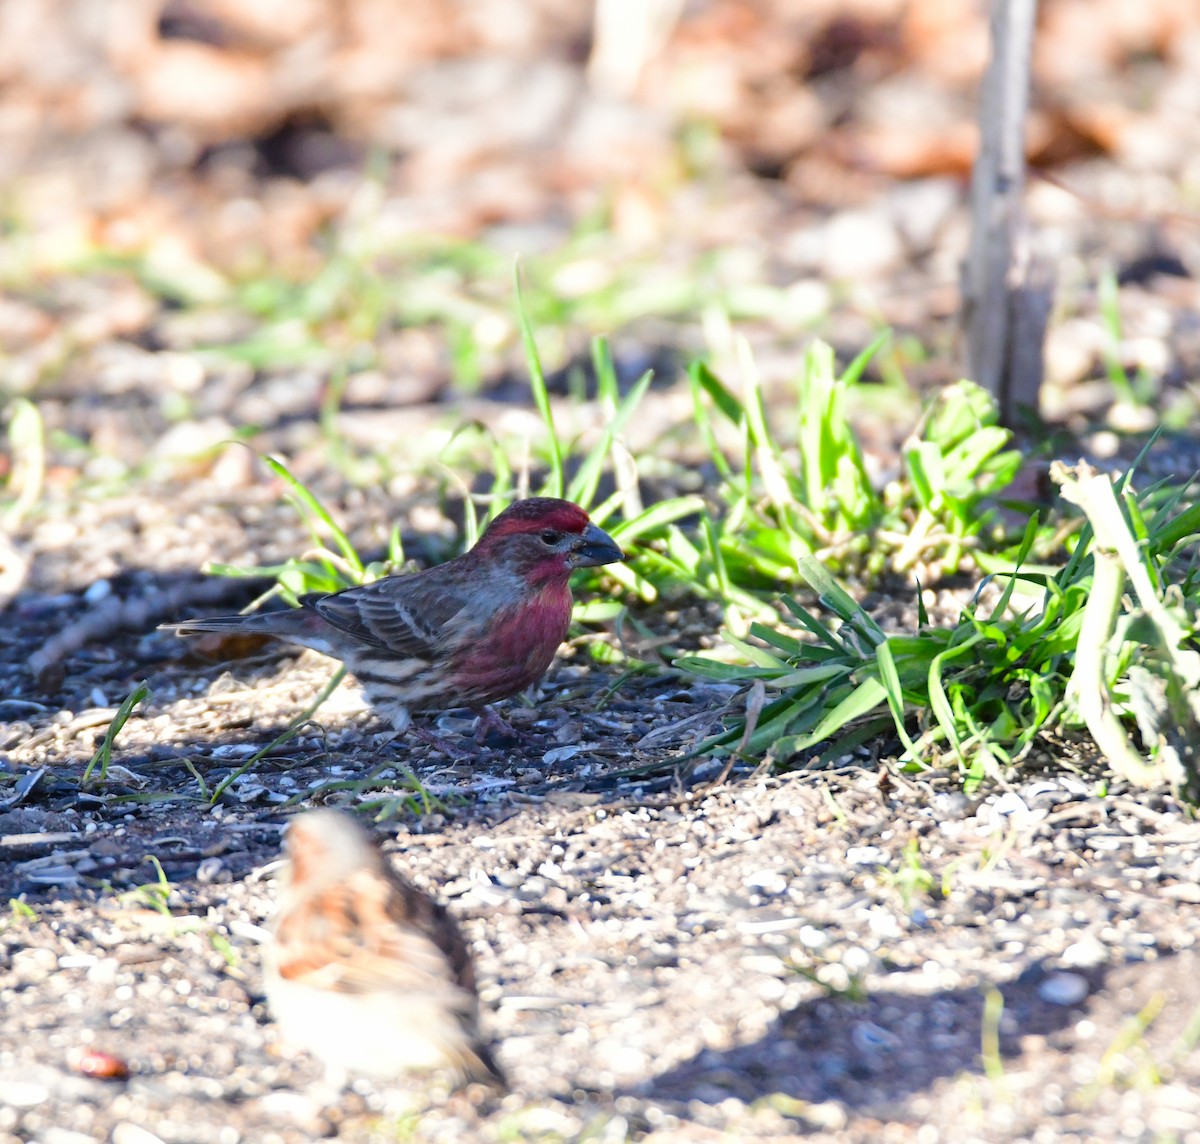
(366, 971)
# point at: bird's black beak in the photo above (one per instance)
(595, 547)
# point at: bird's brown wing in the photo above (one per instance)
(373, 933)
(403, 615)
(412, 910)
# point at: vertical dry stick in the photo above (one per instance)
(1006, 287)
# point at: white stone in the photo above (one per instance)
(860, 244)
(23, 1094)
(1086, 953)
(769, 881)
(1064, 989)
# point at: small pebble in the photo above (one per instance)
(866, 855)
(63, 1136)
(1064, 989)
(1009, 804)
(768, 881)
(293, 1107)
(813, 938)
(129, 1133)
(1086, 953)
(1182, 892)
(23, 1094)
(560, 755)
(33, 965)
(209, 870)
(93, 594)
(100, 1065)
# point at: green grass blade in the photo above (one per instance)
(657, 516)
(703, 423)
(1184, 527)
(314, 510)
(758, 656)
(789, 645)
(765, 448)
(717, 669)
(836, 598)
(725, 401)
(854, 371)
(1124, 480)
(864, 699)
(939, 702)
(103, 755)
(714, 554)
(825, 634)
(787, 714)
(583, 488)
(608, 391)
(643, 587)
(889, 676)
(923, 461)
(807, 676)
(541, 395)
(289, 732)
(395, 553)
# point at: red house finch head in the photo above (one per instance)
(365, 971)
(478, 628)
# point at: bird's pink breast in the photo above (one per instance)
(516, 648)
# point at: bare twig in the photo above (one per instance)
(1006, 286)
(111, 615)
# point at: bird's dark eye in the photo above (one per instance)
(551, 537)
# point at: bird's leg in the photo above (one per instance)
(444, 746)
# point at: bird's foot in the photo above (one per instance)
(493, 731)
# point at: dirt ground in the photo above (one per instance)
(840, 952)
(660, 959)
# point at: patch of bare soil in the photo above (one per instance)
(661, 958)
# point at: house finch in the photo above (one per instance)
(478, 628)
(365, 971)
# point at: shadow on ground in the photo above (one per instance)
(884, 1049)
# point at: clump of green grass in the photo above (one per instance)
(911, 880)
(154, 895)
(1065, 648)
(797, 509)
(818, 499)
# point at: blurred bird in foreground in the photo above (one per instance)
(479, 628)
(365, 971)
